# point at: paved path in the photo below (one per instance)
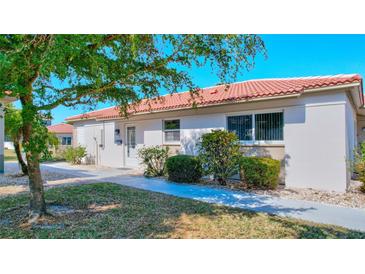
(305, 210)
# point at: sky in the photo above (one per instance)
(288, 56)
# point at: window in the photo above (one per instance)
(269, 126)
(66, 141)
(242, 126)
(257, 127)
(171, 130)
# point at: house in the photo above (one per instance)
(311, 124)
(4, 100)
(63, 132)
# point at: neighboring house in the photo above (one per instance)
(4, 100)
(63, 132)
(311, 124)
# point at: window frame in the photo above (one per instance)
(66, 138)
(171, 130)
(255, 142)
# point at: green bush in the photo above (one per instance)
(358, 164)
(74, 155)
(154, 158)
(219, 152)
(184, 168)
(260, 172)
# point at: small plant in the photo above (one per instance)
(358, 164)
(260, 172)
(154, 158)
(219, 152)
(184, 168)
(74, 155)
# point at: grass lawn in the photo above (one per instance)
(107, 210)
(10, 155)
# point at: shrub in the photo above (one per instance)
(260, 172)
(358, 164)
(184, 168)
(74, 155)
(154, 158)
(219, 154)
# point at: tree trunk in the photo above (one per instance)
(20, 158)
(37, 202)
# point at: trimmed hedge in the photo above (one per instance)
(260, 172)
(184, 168)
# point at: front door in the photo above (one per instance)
(131, 146)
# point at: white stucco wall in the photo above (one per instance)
(98, 139)
(193, 127)
(319, 136)
(315, 147)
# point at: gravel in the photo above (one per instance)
(353, 198)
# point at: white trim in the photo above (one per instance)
(125, 149)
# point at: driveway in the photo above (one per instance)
(310, 211)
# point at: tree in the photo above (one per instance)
(46, 71)
(13, 129)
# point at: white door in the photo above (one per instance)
(131, 147)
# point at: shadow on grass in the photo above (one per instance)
(107, 210)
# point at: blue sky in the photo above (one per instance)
(288, 56)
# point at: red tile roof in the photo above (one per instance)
(252, 89)
(61, 128)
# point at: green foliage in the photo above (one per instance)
(219, 154)
(50, 145)
(358, 164)
(118, 68)
(45, 71)
(13, 122)
(259, 172)
(74, 155)
(154, 158)
(42, 141)
(184, 168)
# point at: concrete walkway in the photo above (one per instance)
(311, 211)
